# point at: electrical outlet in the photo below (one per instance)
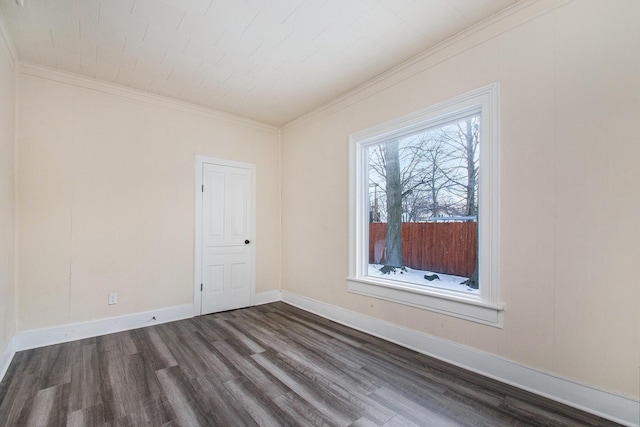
(113, 298)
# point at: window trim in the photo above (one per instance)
(483, 307)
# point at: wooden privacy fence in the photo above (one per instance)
(442, 247)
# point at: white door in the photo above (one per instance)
(226, 252)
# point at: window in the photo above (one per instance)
(424, 209)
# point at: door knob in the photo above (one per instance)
(246, 242)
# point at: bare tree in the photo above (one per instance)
(393, 254)
(420, 177)
(436, 169)
(463, 140)
(470, 137)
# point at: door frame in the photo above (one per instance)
(197, 269)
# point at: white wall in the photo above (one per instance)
(570, 94)
(7, 204)
(106, 197)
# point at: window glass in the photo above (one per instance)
(423, 206)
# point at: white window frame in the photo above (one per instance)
(483, 307)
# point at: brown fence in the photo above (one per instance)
(442, 247)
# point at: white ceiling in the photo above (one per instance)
(269, 60)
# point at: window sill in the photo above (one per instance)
(468, 307)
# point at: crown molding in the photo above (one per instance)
(88, 83)
(503, 21)
(7, 41)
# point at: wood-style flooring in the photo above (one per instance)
(270, 365)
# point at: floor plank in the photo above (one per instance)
(270, 365)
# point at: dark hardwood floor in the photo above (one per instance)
(271, 365)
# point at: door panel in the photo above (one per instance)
(238, 275)
(214, 204)
(238, 186)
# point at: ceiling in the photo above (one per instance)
(268, 60)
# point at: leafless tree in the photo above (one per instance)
(463, 139)
(393, 253)
(436, 169)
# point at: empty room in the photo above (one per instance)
(319, 212)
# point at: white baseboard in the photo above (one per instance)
(34, 338)
(64, 333)
(266, 297)
(604, 404)
(7, 357)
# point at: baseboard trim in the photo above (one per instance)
(34, 338)
(267, 297)
(7, 357)
(598, 402)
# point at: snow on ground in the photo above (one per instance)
(446, 281)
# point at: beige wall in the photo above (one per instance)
(7, 205)
(106, 200)
(570, 95)
(105, 195)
